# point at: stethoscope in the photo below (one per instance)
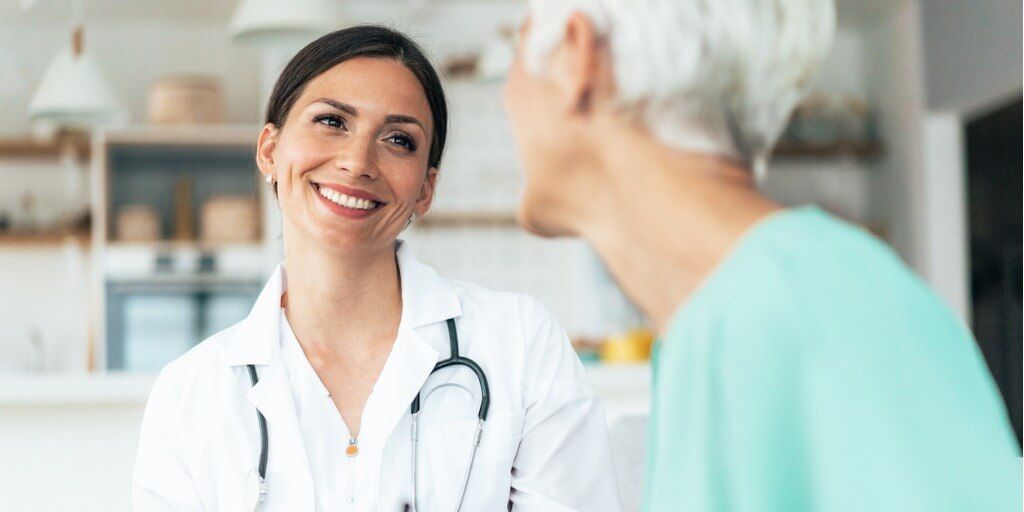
(258, 476)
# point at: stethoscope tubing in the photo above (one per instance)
(453, 360)
(264, 440)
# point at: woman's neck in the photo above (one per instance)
(340, 303)
(675, 217)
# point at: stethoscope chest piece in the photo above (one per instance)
(255, 490)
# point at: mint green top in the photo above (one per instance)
(814, 371)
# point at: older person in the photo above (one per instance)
(361, 378)
(801, 365)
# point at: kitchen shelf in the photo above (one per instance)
(28, 147)
(858, 149)
(43, 239)
(467, 220)
(224, 135)
(174, 245)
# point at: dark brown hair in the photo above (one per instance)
(361, 41)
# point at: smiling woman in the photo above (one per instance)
(394, 116)
(376, 384)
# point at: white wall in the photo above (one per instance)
(898, 89)
(973, 52)
(944, 244)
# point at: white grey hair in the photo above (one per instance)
(713, 76)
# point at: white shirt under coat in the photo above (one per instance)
(545, 445)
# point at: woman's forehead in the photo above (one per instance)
(377, 86)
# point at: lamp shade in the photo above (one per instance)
(261, 21)
(73, 91)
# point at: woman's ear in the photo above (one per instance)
(575, 65)
(426, 193)
(265, 147)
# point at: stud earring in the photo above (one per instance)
(269, 178)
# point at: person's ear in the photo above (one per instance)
(265, 147)
(426, 193)
(575, 64)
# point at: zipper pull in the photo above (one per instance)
(353, 447)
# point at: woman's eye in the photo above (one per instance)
(329, 120)
(403, 141)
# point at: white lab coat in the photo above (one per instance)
(545, 445)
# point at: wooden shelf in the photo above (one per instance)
(27, 147)
(168, 245)
(857, 149)
(467, 220)
(42, 239)
(222, 135)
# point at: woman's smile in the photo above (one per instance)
(347, 202)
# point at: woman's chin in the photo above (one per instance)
(341, 239)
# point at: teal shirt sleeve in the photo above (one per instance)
(813, 371)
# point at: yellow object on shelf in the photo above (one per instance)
(631, 347)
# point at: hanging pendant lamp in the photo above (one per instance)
(273, 21)
(73, 91)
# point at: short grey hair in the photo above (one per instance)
(713, 76)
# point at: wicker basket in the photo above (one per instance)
(138, 223)
(186, 99)
(229, 219)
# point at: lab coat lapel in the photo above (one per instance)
(407, 368)
(290, 483)
(257, 342)
(426, 299)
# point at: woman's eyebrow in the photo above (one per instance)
(403, 119)
(344, 107)
(350, 110)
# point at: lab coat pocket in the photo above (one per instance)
(444, 457)
(502, 433)
(446, 452)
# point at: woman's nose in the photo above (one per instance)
(357, 158)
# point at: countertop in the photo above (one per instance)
(613, 382)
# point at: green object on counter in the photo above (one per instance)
(814, 371)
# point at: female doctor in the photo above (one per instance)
(306, 404)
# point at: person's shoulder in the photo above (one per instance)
(816, 280)
(805, 256)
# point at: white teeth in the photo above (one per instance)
(347, 201)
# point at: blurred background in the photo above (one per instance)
(132, 225)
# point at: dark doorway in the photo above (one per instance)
(994, 208)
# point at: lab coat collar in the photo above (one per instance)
(257, 338)
(426, 298)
